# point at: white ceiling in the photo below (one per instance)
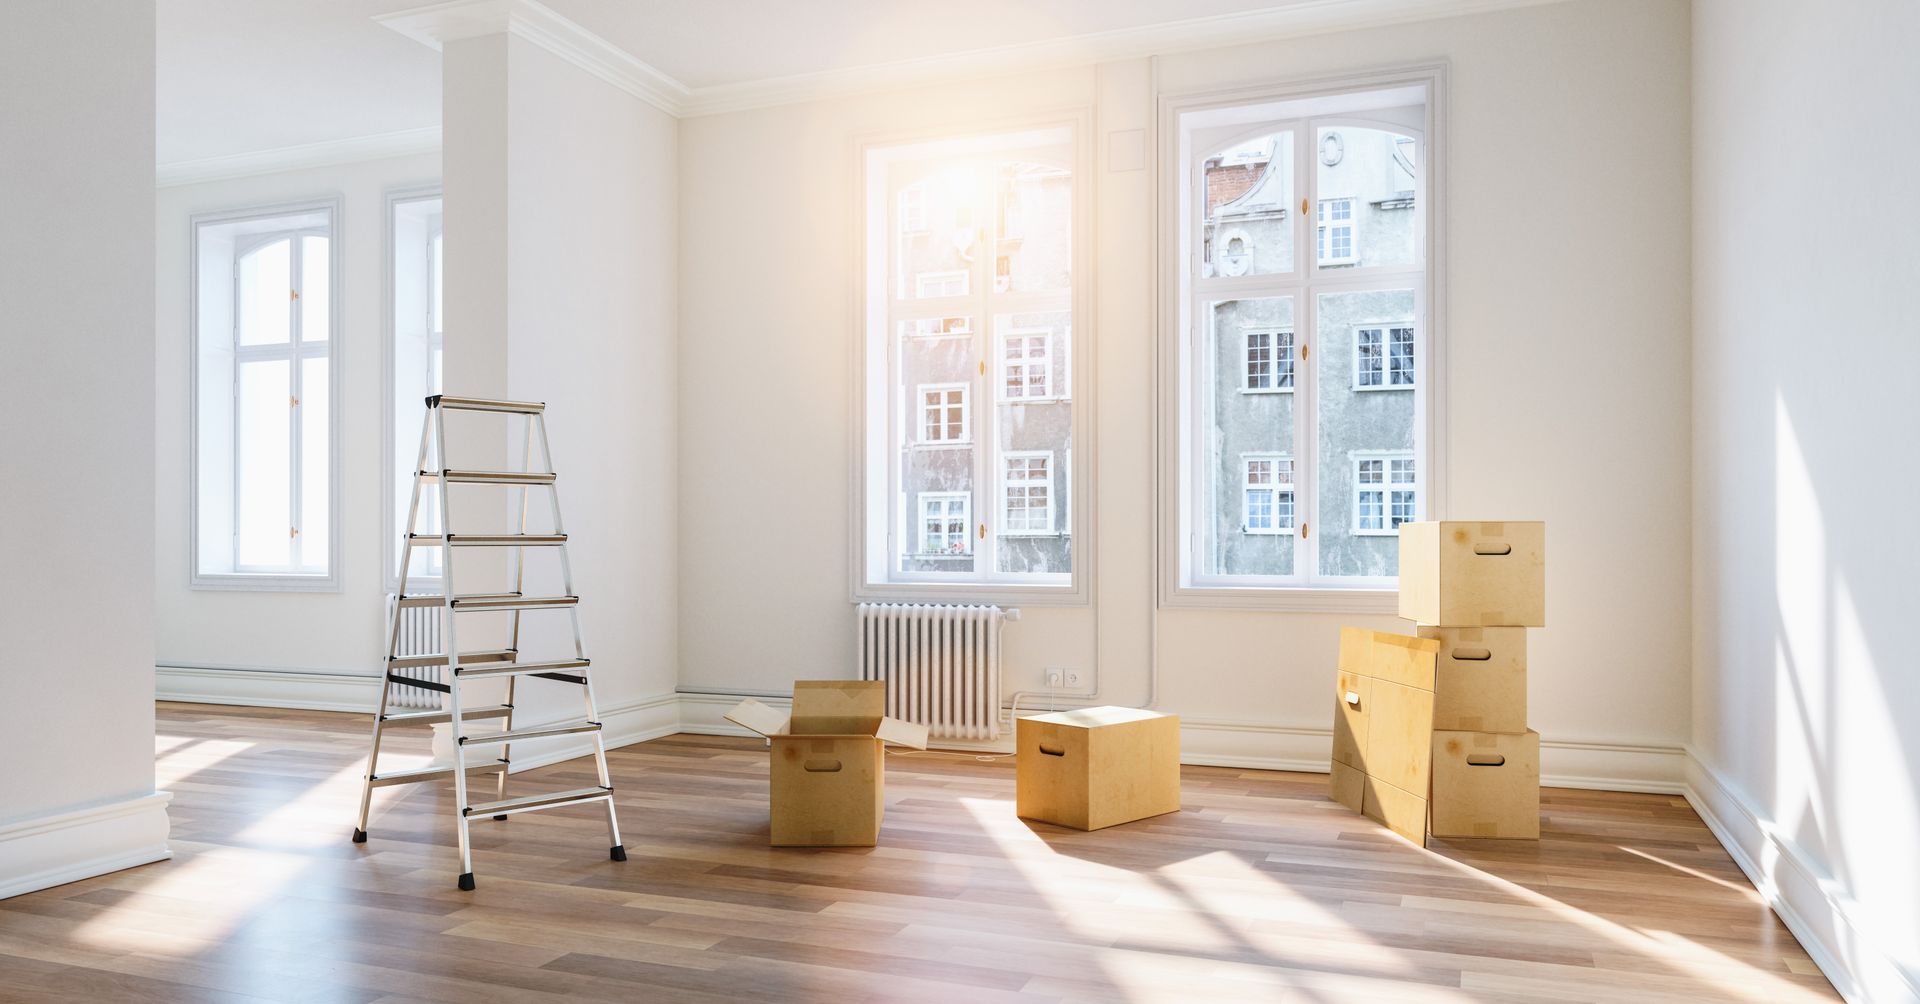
(240, 76)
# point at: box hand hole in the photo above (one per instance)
(1486, 760)
(1471, 655)
(821, 765)
(1053, 750)
(1492, 548)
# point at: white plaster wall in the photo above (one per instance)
(1568, 370)
(328, 632)
(76, 377)
(1807, 247)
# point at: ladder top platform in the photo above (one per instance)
(485, 404)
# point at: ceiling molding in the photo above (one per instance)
(294, 158)
(440, 23)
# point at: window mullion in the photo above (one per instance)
(296, 338)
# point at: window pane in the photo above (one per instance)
(1360, 432)
(1247, 223)
(938, 260)
(265, 294)
(263, 474)
(1366, 191)
(1033, 249)
(314, 414)
(315, 299)
(937, 485)
(1234, 540)
(1034, 421)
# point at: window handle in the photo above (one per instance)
(1303, 531)
(292, 532)
(983, 531)
(293, 294)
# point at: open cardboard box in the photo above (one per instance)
(826, 784)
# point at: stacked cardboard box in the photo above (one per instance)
(1430, 733)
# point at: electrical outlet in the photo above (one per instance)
(1056, 679)
(1073, 679)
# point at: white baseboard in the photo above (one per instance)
(63, 847)
(1209, 742)
(622, 725)
(1828, 922)
(265, 688)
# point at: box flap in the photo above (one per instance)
(837, 707)
(895, 732)
(1088, 718)
(751, 714)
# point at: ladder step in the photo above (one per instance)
(437, 600)
(433, 773)
(517, 669)
(459, 477)
(550, 800)
(440, 659)
(436, 717)
(488, 539)
(485, 404)
(518, 734)
(509, 601)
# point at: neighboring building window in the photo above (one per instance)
(1269, 360)
(913, 209)
(1279, 366)
(1236, 256)
(264, 387)
(967, 376)
(944, 522)
(1269, 494)
(1385, 494)
(1026, 365)
(931, 284)
(1027, 490)
(1383, 357)
(943, 413)
(1335, 232)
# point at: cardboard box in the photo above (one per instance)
(1480, 679)
(826, 784)
(1348, 786)
(1486, 784)
(1096, 767)
(1383, 728)
(1398, 810)
(1461, 574)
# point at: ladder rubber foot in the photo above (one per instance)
(359, 835)
(502, 816)
(466, 882)
(618, 853)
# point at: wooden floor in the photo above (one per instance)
(1259, 890)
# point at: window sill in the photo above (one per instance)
(1266, 390)
(1001, 594)
(1053, 399)
(953, 444)
(1294, 599)
(246, 582)
(1284, 531)
(1029, 534)
(1369, 389)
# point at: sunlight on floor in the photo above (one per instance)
(189, 757)
(315, 818)
(196, 900)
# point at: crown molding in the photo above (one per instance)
(293, 158)
(435, 25)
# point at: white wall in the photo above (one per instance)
(1568, 377)
(1806, 715)
(76, 377)
(324, 632)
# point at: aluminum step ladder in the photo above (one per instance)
(488, 664)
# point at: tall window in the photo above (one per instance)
(969, 300)
(417, 328)
(1348, 318)
(264, 385)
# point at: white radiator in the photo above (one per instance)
(419, 635)
(941, 664)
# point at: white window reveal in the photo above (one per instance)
(1383, 357)
(943, 413)
(1269, 360)
(1335, 232)
(264, 384)
(945, 518)
(1269, 494)
(1385, 494)
(931, 284)
(416, 328)
(1027, 489)
(1027, 362)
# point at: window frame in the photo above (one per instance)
(1386, 329)
(1386, 486)
(1275, 487)
(873, 513)
(966, 414)
(1274, 359)
(1005, 485)
(1308, 103)
(1323, 226)
(232, 577)
(1026, 364)
(392, 438)
(920, 279)
(920, 500)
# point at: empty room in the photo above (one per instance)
(1020, 502)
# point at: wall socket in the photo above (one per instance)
(1064, 679)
